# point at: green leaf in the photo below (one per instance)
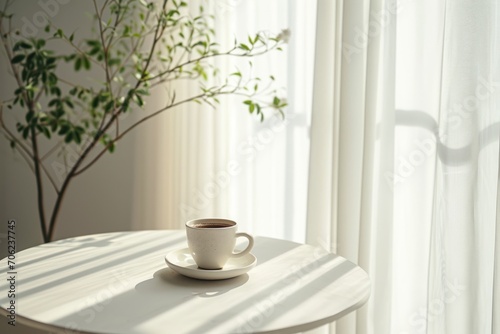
(51, 61)
(57, 113)
(86, 63)
(12, 144)
(139, 100)
(172, 12)
(29, 116)
(44, 130)
(95, 102)
(52, 79)
(125, 105)
(40, 43)
(111, 147)
(142, 92)
(78, 64)
(77, 137)
(64, 129)
(244, 47)
(21, 45)
(93, 43)
(55, 91)
(69, 58)
(53, 126)
(126, 31)
(17, 59)
(109, 106)
(53, 102)
(68, 138)
(114, 62)
(69, 103)
(26, 132)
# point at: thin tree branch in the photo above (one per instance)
(105, 49)
(39, 183)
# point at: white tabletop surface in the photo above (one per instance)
(119, 283)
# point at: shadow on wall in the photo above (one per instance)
(448, 156)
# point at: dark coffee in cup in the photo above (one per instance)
(211, 225)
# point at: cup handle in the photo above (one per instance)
(249, 247)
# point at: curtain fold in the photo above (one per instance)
(352, 133)
(376, 217)
(324, 126)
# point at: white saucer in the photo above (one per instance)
(182, 262)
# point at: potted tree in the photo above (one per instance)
(138, 47)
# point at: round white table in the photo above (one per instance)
(119, 283)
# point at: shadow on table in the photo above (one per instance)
(281, 300)
(102, 262)
(67, 246)
(165, 278)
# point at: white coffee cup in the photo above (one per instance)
(211, 241)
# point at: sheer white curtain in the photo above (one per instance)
(404, 159)
(224, 162)
(448, 134)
